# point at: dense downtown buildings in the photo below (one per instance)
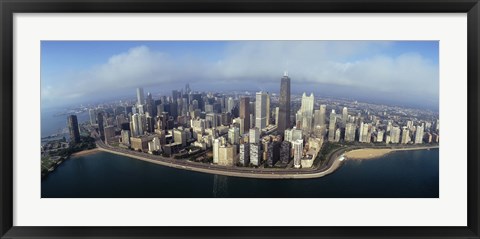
(253, 129)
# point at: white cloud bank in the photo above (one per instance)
(251, 63)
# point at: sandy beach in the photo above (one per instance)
(86, 152)
(370, 153)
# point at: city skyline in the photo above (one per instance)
(229, 134)
(393, 72)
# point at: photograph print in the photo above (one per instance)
(240, 119)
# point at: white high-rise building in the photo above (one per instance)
(254, 136)
(389, 126)
(230, 104)
(135, 125)
(297, 153)
(261, 110)
(332, 126)
(141, 109)
(142, 122)
(216, 147)
(234, 135)
(140, 96)
(419, 135)
(268, 110)
(360, 132)
(366, 136)
(226, 155)
(395, 135)
(405, 135)
(307, 112)
(154, 145)
(344, 115)
(380, 134)
(337, 135)
(350, 132)
(291, 135)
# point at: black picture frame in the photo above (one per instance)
(9, 7)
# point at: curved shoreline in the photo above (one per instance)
(235, 172)
(334, 161)
(372, 153)
(85, 152)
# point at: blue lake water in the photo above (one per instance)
(403, 174)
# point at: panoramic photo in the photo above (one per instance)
(239, 119)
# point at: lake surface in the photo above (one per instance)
(403, 174)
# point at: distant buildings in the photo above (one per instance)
(92, 115)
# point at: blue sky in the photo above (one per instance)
(405, 72)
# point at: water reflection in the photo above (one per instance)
(220, 186)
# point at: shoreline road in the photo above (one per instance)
(333, 163)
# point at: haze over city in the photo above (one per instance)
(391, 72)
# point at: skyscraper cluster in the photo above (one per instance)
(246, 129)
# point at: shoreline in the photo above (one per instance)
(308, 173)
(85, 152)
(373, 153)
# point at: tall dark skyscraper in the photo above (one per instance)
(284, 104)
(73, 128)
(187, 89)
(100, 125)
(245, 114)
(175, 95)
